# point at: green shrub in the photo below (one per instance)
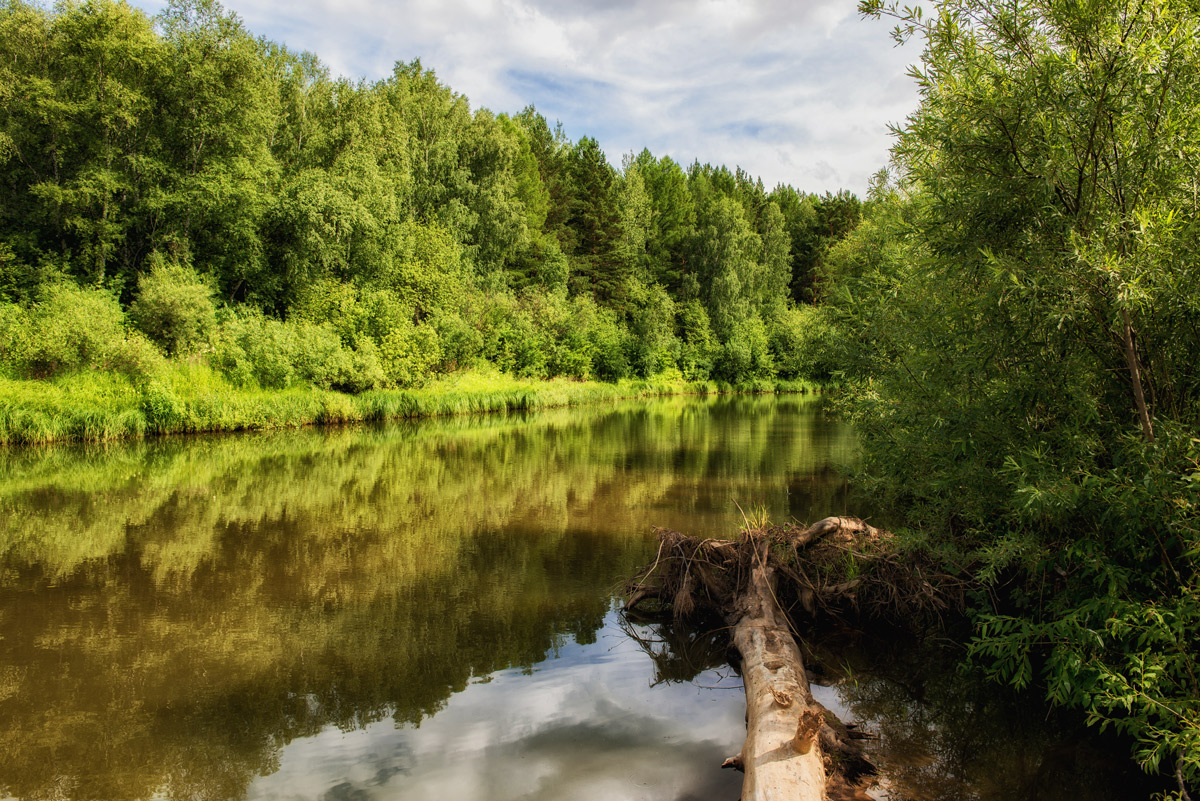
(566, 325)
(14, 329)
(461, 342)
(174, 308)
(746, 356)
(528, 345)
(353, 312)
(513, 340)
(251, 349)
(409, 353)
(366, 369)
(318, 356)
(654, 345)
(574, 356)
(135, 357)
(762, 364)
(71, 328)
(329, 301)
(610, 354)
(802, 343)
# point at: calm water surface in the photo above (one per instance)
(416, 611)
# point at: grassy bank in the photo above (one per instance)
(192, 397)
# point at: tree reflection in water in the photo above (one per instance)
(180, 618)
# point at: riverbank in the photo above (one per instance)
(100, 406)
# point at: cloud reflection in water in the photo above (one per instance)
(586, 724)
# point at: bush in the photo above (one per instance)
(565, 326)
(251, 349)
(574, 355)
(174, 308)
(353, 312)
(461, 342)
(366, 369)
(70, 329)
(318, 356)
(747, 355)
(14, 329)
(409, 353)
(610, 354)
(135, 357)
(513, 340)
(655, 347)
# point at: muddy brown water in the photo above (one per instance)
(427, 610)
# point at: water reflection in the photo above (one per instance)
(942, 733)
(679, 651)
(586, 725)
(368, 613)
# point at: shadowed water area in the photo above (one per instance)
(423, 610)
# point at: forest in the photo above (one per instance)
(180, 190)
(193, 220)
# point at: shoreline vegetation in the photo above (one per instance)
(192, 399)
(1021, 301)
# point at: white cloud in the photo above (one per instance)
(798, 93)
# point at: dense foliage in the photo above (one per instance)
(1020, 306)
(177, 187)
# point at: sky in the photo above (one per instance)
(793, 91)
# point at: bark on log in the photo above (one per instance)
(782, 754)
(829, 526)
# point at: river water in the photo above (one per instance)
(421, 610)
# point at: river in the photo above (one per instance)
(420, 610)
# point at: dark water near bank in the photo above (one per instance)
(416, 611)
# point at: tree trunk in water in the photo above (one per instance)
(782, 754)
(794, 748)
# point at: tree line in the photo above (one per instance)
(181, 181)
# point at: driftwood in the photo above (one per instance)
(781, 757)
(794, 747)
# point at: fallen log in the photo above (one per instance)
(794, 748)
(782, 757)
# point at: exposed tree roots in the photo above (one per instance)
(840, 566)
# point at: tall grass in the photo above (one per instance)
(189, 397)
